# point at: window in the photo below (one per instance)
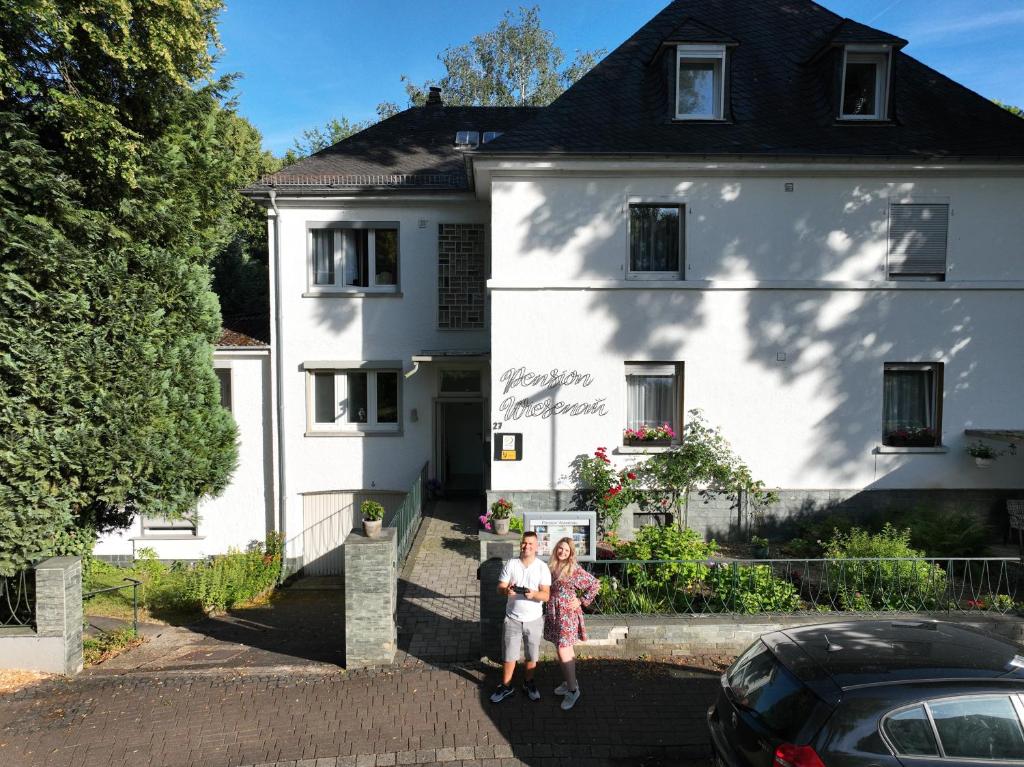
(978, 728)
(700, 82)
(763, 686)
(865, 84)
(912, 405)
(224, 379)
(354, 257)
(918, 234)
(656, 241)
(162, 526)
(910, 732)
(460, 382)
(653, 395)
(354, 400)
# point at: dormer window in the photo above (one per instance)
(865, 83)
(700, 82)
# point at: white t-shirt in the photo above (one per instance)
(515, 573)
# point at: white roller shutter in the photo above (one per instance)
(918, 235)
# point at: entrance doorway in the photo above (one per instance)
(459, 446)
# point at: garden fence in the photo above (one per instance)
(789, 586)
(18, 600)
(407, 517)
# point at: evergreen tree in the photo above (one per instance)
(119, 170)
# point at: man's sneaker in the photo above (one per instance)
(531, 689)
(501, 692)
(571, 696)
(562, 689)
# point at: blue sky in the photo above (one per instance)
(305, 61)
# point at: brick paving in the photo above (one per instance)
(439, 597)
(631, 713)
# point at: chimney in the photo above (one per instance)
(434, 97)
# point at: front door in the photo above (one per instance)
(460, 446)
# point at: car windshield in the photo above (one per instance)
(763, 686)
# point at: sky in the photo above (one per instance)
(303, 62)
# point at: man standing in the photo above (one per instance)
(526, 582)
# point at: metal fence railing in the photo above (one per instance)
(686, 587)
(131, 583)
(407, 517)
(18, 599)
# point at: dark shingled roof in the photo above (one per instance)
(412, 151)
(782, 99)
(231, 339)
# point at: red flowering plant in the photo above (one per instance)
(649, 433)
(500, 509)
(603, 487)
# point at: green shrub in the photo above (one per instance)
(371, 511)
(515, 524)
(666, 543)
(946, 533)
(884, 584)
(750, 589)
(238, 576)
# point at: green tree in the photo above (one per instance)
(119, 170)
(1010, 108)
(515, 64)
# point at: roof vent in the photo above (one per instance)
(467, 139)
(434, 97)
(490, 135)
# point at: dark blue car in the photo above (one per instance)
(885, 693)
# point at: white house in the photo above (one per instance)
(754, 208)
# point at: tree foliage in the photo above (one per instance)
(1010, 108)
(517, 63)
(119, 169)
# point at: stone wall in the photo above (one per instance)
(371, 598)
(55, 645)
(724, 519)
(460, 276)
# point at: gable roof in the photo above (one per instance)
(412, 151)
(781, 102)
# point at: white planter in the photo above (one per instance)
(371, 528)
(501, 526)
(984, 463)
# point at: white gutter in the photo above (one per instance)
(277, 390)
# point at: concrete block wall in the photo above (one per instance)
(55, 645)
(371, 598)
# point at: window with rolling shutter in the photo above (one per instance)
(918, 235)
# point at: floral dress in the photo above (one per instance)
(563, 623)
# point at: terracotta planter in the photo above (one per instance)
(500, 526)
(371, 527)
(631, 442)
(984, 463)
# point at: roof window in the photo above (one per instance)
(467, 139)
(700, 82)
(865, 83)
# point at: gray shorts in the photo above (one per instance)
(516, 633)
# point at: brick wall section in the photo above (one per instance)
(460, 276)
(371, 598)
(722, 519)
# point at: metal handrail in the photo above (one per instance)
(133, 584)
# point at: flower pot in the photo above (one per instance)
(761, 552)
(984, 463)
(500, 526)
(633, 442)
(371, 527)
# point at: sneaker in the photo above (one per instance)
(571, 696)
(531, 689)
(501, 692)
(562, 689)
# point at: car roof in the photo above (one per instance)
(859, 653)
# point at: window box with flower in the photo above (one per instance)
(911, 436)
(649, 436)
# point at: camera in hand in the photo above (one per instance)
(520, 589)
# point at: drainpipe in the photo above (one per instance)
(276, 391)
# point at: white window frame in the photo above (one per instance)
(677, 371)
(162, 527)
(881, 57)
(339, 286)
(659, 202)
(340, 424)
(702, 54)
(219, 369)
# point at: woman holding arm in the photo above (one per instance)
(571, 587)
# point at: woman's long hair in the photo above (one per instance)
(558, 569)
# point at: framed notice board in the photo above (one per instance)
(552, 526)
(508, 447)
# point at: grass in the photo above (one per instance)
(118, 604)
(109, 645)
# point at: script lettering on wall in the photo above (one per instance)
(542, 405)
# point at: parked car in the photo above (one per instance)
(872, 693)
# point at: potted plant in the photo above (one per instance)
(649, 436)
(760, 547)
(911, 436)
(373, 516)
(984, 456)
(501, 510)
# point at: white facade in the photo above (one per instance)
(244, 512)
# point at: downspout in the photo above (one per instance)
(274, 239)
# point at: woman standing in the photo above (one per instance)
(571, 587)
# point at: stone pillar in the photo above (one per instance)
(59, 611)
(495, 550)
(371, 598)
